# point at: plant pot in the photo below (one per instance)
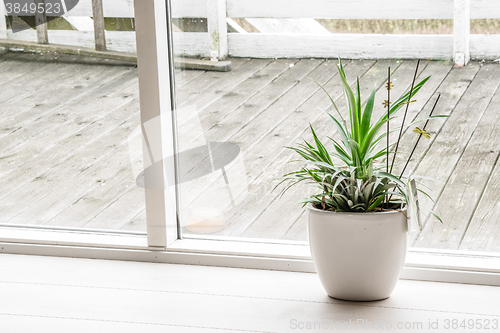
(358, 256)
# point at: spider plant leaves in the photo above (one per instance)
(367, 114)
(344, 135)
(437, 217)
(390, 177)
(358, 103)
(351, 103)
(387, 116)
(342, 154)
(360, 184)
(332, 101)
(323, 153)
(404, 98)
(377, 202)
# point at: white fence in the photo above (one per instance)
(218, 43)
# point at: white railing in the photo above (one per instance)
(461, 45)
(218, 43)
(88, 20)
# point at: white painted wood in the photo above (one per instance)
(111, 8)
(191, 44)
(485, 9)
(356, 46)
(80, 307)
(26, 35)
(3, 26)
(461, 32)
(187, 44)
(156, 121)
(339, 9)
(292, 26)
(81, 23)
(76, 237)
(473, 261)
(125, 8)
(196, 44)
(485, 47)
(464, 274)
(267, 14)
(224, 282)
(189, 8)
(235, 26)
(336, 9)
(243, 246)
(217, 29)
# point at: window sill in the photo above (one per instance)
(421, 264)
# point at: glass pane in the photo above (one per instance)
(70, 142)
(233, 126)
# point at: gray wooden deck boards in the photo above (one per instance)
(66, 125)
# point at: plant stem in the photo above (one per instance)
(388, 116)
(404, 117)
(418, 140)
(419, 137)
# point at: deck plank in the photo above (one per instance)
(465, 187)
(186, 76)
(280, 213)
(95, 146)
(79, 131)
(451, 90)
(192, 132)
(230, 125)
(39, 102)
(125, 208)
(137, 223)
(438, 72)
(270, 163)
(66, 159)
(483, 231)
(21, 144)
(445, 155)
(211, 86)
(264, 159)
(103, 172)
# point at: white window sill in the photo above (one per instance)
(421, 264)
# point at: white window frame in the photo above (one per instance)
(163, 242)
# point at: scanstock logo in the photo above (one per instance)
(27, 14)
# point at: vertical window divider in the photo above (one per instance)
(157, 123)
(171, 62)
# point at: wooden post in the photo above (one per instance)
(41, 23)
(461, 31)
(3, 23)
(217, 29)
(99, 34)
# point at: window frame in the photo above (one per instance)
(163, 242)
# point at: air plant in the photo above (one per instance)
(358, 183)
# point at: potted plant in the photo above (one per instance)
(358, 221)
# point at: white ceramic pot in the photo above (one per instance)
(358, 256)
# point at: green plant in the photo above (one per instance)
(359, 183)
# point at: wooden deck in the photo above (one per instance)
(67, 124)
